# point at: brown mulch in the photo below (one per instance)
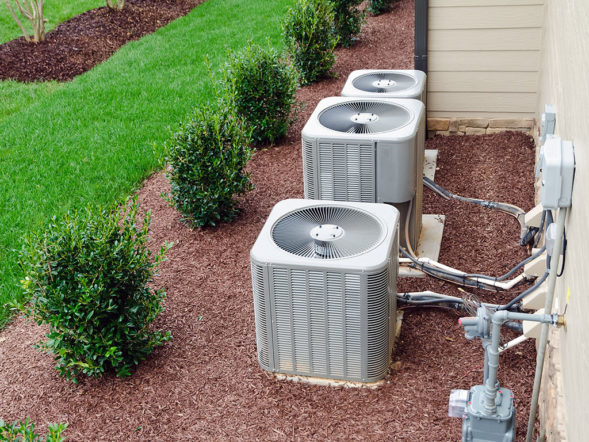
(86, 40)
(206, 383)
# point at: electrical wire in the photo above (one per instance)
(442, 274)
(431, 299)
(407, 221)
(540, 229)
(449, 274)
(509, 209)
(513, 270)
(525, 293)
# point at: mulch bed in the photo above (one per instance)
(86, 40)
(206, 383)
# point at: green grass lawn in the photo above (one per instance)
(16, 96)
(91, 140)
(56, 11)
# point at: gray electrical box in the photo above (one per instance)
(557, 162)
(477, 426)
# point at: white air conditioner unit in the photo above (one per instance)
(324, 281)
(379, 83)
(367, 150)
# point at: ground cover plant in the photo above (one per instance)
(348, 19)
(310, 38)
(56, 11)
(207, 159)
(91, 140)
(25, 431)
(87, 276)
(261, 87)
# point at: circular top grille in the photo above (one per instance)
(384, 82)
(292, 233)
(365, 117)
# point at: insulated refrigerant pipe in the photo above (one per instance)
(547, 309)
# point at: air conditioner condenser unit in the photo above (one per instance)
(386, 83)
(367, 150)
(324, 283)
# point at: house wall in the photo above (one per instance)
(483, 62)
(564, 83)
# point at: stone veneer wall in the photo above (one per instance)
(478, 126)
(551, 410)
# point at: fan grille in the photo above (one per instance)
(363, 232)
(364, 117)
(383, 82)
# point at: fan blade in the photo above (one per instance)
(362, 231)
(384, 82)
(343, 117)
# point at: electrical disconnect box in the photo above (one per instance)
(557, 163)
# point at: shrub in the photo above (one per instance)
(308, 30)
(377, 7)
(263, 89)
(87, 277)
(32, 10)
(207, 159)
(347, 20)
(25, 431)
(117, 5)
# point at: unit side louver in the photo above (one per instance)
(346, 172)
(260, 312)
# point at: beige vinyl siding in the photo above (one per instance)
(481, 102)
(484, 57)
(565, 85)
(490, 40)
(484, 81)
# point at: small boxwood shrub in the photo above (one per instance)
(348, 19)
(87, 277)
(263, 89)
(207, 159)
(25, 431)
(308, 30)
(377, 7)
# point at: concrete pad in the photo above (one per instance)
(430, 241)
(429, 164)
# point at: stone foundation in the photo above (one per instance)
(551, 400)
(478, 126)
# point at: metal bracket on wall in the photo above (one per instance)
(547, 123)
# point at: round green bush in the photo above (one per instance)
(308, 30)
(87, 277)
(263, 89)
(207, 159)
(348, 20)
(377, 7)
